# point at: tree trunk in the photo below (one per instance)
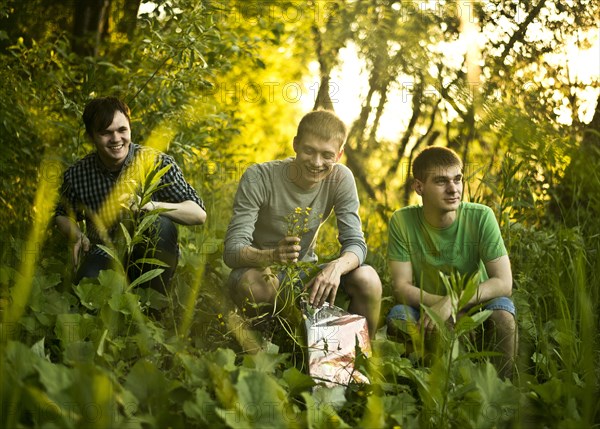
(323, 100)
(89, 25)
(129, 21)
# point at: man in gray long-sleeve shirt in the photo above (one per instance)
(259, 232)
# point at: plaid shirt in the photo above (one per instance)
(91, 192)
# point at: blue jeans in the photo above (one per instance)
(412, 314)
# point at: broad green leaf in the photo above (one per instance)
(67, 328)
(224, 358)
(322, 407)
(297, 381)
(196, 373)
(202, 408)
(401, 408)
(262, 403)
(153, 298)
(115, 281)
(499, 399)
(46, 281)
(148, 384)
(20, 360)
(54, 377)
(264, 361)
(79, 352)
(93, 296)
(38, 349)
(123, 302)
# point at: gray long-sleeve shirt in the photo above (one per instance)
(266, 195)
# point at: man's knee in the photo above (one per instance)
(503, 320)
(363, 282)
(166, 233)
(503, 324)
(255, 285)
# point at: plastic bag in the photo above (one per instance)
(332, 335)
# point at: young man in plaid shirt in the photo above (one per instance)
(100, 187)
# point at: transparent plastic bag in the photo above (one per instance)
(332, 334)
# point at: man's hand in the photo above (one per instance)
(287, 250)
(324, 286)
(80, 247)
(442, 308)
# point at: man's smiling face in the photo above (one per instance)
(113, 143)
(315, 159)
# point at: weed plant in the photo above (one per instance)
(91, 355)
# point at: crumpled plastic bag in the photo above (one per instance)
(332, 334)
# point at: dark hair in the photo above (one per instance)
(431, 158)
(323, 124)
(100, 112)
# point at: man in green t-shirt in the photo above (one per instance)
(445, 235)
(306, 188)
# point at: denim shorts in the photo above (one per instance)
(408, 313)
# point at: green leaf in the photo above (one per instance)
(264, 361)
(54, 377)
(67, 328)
(124, 303)
(201, 408)
(468, 323)
(374, 415)
(149, 385)
(153, 298)
(297, 381)
(441, 324)
(152, 261)
(38, 349)
(92, 296)
(110, 252)
(113, 280)
(224, 358)
(322, 407)
(400, 408)
(126, 235)
(262, 402)
(20, 359)
(469, 290)
(79, 352)
(497, 398)
(147, 221)
(147, 276)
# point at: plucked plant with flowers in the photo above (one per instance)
(296, 274)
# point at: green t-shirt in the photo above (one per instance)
(473, 239)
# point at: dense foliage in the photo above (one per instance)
(215, 84)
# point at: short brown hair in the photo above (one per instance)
(323, 124)
(432, 158)
(100, 112)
